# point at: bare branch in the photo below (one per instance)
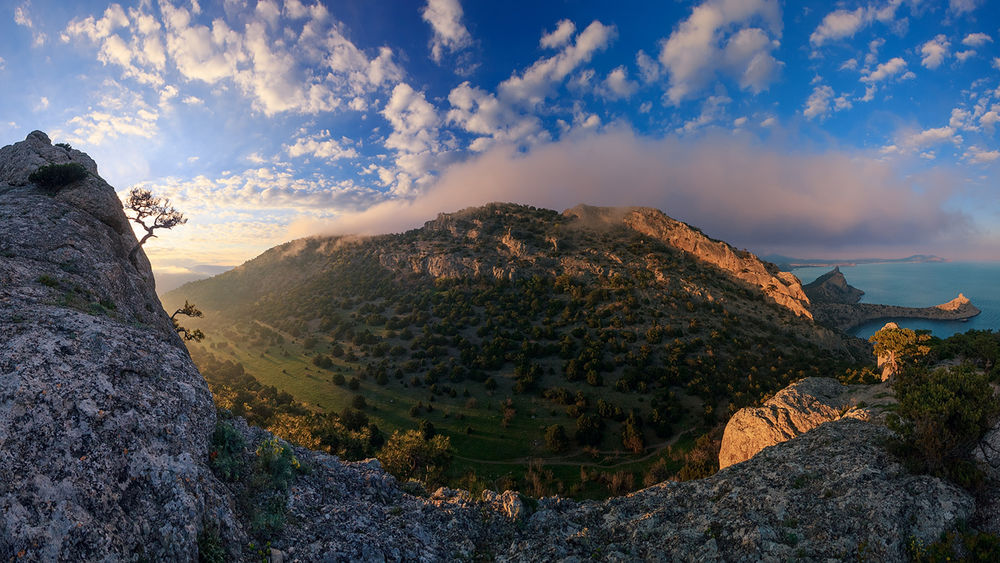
(151, 213)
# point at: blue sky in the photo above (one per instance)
(807, 128)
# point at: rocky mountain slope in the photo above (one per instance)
(832, 287)
(107, 432)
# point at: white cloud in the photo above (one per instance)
(481, 113)
(976, 40)
(963, 6)
(560, 36)
(818, 104)
(3, 64)
(990, 118)
(445, 17)
(119, 113)
(43, 104)
(838, 25)
(617, 85)
(961, 56)
(414, 137)
(719, 38)
(278, 69)
(322, 146)
(649, 68)
(916, 141)
(886, 70)
(713, 109)
(934, 52)
(980, 156)
(537, 81)
(23, 18)
(842, 23)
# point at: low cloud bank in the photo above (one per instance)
(733, 188)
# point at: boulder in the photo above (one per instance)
(794, 410)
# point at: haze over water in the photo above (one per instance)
(924, 285)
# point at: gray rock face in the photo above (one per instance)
(830, 494)
(104, 421)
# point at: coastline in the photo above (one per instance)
(850, 316)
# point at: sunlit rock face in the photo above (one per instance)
(794, 410)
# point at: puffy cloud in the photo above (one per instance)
(119, 113)
(277, 68)
(822, 200)
(481, 113)
(560, 36)
(320, 146)
(934, 52)
(617, 85)
(838, 25)
(537, 81)
(414, 120)
(818, 104)
(717, 38)
(843, 23)
(961, 56)
(980, 156)
(976, 40)
(914, 141)
(445, 18)
(886, 70)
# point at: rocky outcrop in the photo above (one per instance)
(827, 495)
(847, 317)
(784, 288)
(832, 287)
(794, 410)
(104, 420)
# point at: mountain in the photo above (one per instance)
(113, 450)
(832, 287)
(500, 322)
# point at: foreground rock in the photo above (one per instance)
(830, 494)
(104, 421)
(795, 410)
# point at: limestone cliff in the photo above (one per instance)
(106, 427)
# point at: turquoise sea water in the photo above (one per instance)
(924, 285)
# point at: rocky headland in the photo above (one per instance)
(107, 428)
(834, 303)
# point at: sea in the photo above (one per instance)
(923, 284)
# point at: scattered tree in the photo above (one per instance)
(409, 456)
(151, 213)
(188, 310)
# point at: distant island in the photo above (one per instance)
(786, 263)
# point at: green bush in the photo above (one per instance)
(941, 416)
(226, 456)
(55, 176)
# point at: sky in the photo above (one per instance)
(811, 129)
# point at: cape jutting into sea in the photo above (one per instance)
(924, 285)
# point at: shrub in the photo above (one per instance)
(55, 176)
(556, 438)
(410, 456)
(225, 458)
(942, 414)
